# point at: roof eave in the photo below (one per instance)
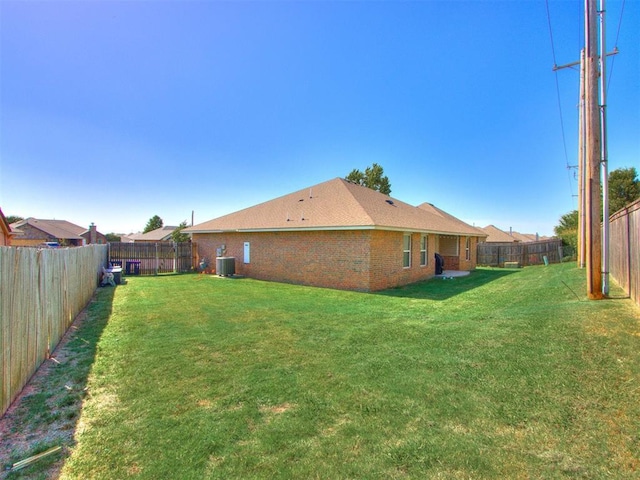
(333, 228)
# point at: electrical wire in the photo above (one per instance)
(555, 64)
(613, 60)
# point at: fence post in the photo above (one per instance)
(628, 217)
(175, 257)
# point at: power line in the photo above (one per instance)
(553, 49)
(555, 64)
(613, 60)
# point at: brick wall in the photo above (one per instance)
(387, 269)
(31, 236)
(363, 260)
(470, 264)
(460, 262)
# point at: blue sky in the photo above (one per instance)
(112, 112)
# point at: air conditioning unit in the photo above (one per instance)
(225, 266)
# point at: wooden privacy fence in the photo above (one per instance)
(41, 293)
(624, 249)
(152, 258)
(526, 253)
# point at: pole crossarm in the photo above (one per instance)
(555, 68)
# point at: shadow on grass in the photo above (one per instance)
(47, 411)
(443, 288)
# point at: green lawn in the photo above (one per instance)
(502, 374)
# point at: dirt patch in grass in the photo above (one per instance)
(46, 412)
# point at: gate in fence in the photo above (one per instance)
(152, 258)
(528, 253)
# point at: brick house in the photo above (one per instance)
(33, 232)
(340, 235)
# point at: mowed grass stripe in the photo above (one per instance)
(499, 374)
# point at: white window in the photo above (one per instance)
(423, 251)
(467, 249)
(406, 256)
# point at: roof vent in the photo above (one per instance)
(390, 202)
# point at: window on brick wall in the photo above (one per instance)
(423, 250)
(406, 256)
(467, 249)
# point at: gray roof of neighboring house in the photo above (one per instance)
(338, 205)
(158, 235)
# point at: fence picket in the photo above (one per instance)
(152, 257)
(526, 253)
(624, 249)
(41, 293)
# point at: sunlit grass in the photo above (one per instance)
(502, 374)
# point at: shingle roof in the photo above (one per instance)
(495, 235)
(454, 222)
(337, 205)
(524, 237)
(157, 235)
(56, 228)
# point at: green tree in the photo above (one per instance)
(178, 236)
(13, 218)
(373, 177)
(154, 223)
(567, 228)
(112, 237)
(624, 188)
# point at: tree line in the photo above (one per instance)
(624, 188)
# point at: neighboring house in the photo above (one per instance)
(126, 238)
(5, 231)
(525, 237)
(340, 235)
(33, 232)
(162, 234)
(495, 235)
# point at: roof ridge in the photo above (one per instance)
(337, 203)
(345, 184)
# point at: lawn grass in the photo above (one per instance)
(46, 413)
(501, 374)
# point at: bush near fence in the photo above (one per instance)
(525, 254)
(41, 293)
(624, 249)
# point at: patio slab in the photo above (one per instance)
(453, 273)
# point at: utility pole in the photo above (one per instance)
(593, 235)
(593, 153)
(581, 175)
(604, 156)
